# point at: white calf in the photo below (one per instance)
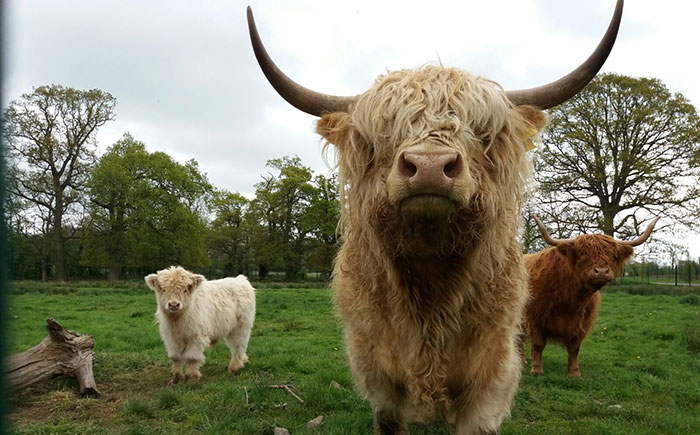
(194, 313)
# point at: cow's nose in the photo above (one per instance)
(430, 169)
(173, 305)
(601, 271)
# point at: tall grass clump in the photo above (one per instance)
(691, 334)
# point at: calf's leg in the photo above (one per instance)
(192, 370)
(237, 343)
(175, 371)
(194, 358)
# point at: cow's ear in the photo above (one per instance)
(624, 252)
(568, 250)
(534, 116)
(196, 281)
(152, 282)
(334, 127)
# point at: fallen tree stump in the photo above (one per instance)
(62, 353)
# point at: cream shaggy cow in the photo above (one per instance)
(430, 281)
(194, 313)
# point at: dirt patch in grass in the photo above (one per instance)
(39, 406)
(59, 401)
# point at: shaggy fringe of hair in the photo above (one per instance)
(174, 277)
(469, 113)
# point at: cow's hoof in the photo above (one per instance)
(174, 379)
(192, 376)
(576, 374)
(536, 372)
(235, 366)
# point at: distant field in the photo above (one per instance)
(640, 366)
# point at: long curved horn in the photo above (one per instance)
(545, 235)
(643, 238)
(555, 93)
(313, 103)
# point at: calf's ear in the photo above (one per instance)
(152, 281)
(196, 281)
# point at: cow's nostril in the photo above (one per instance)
(407, 168)
(454, 168)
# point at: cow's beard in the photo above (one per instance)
(428, 229)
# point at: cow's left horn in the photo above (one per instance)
(643, 238)
(545, 235)
(311, 102)
(555, 93)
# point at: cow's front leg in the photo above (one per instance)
(192, 370)
(175, 372)
(538, 343)
(386, 396)
(572, 347)
(387, 422)
(483, 400)
(194, 358)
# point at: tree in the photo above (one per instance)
(276, 213)
(623, 147)
(51, 142)
(321, 222)
(228, 234)
(146, 210)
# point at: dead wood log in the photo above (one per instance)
(62, 353)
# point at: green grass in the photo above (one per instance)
(640, 370)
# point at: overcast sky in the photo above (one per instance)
(187, 83)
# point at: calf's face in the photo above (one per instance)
(173, 289)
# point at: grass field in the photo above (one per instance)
(640, 367)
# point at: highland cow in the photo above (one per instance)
(565, 284)
(429, 281)
(194, 313)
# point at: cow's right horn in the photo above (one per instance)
(556, 92)
(643, 238)
(306, 100)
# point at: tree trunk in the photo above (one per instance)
(290, 274)
(228, 268)
(609, 222)
(44, 270)
(115, 272)
(58, 244)
(62, 353)
(263, 270)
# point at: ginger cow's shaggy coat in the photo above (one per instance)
(565, 285)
